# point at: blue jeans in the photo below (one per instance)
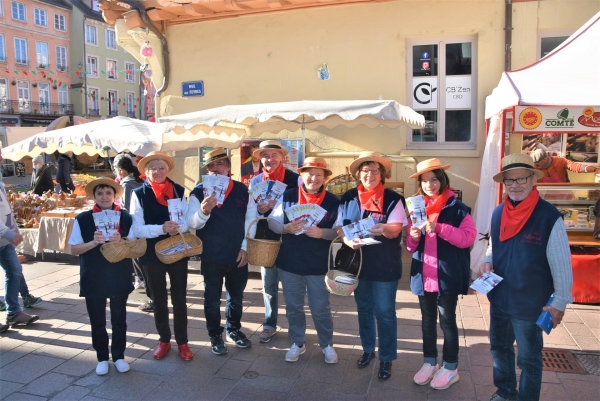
(445, 305)
(504, 329)
(295, 289)
(270, 281)
(235, 283)
(13, 275)
(376, 304)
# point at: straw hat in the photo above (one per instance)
(315, 162)
(429, 165)
(369, 156)
(214, 155)
(272, 145)
(156, 155)
(91, 186)
(516, 161)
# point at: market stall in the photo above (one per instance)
(554, 105)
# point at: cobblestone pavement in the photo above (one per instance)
(54, 359)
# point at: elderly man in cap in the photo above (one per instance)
(271, 156)
(222, 229)
(41, 178)
(554, 169)
(531, 253)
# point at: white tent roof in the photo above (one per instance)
(568, 76)
(291, 116)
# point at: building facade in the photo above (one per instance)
(34, 53)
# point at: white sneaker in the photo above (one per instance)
(102, 368)
(330, 355)
(294, 353)
(122, 366)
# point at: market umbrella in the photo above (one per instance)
(274, 117)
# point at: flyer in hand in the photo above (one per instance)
(208, 185)
(309, 213)
(107, 222)
(176, 211)
(175, 249)
(486, 283)
(416, 210)
(359, 231)
(221, 184)
(267, 190)
(276, 190)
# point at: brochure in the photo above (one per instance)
(346, 279)
(221, 184)
(176, 211)
(267, 190)
(310, 213)
(276, 190)
(416, 210)
(174, 249)
(107, 222)
(486, 283)
(359, 231)
(208, 185)
(545, 320)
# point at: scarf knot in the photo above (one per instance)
(162, 191)
(514, 217)
(371, 200)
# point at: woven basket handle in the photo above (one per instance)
(256, 220)
(185, 245)
(340, 237)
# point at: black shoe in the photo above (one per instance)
(385, 371)
(3, 327)
(217, 345)
(365, 359)
(238, 338)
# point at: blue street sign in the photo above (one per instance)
(195, 88)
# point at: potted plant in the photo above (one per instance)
(13, 82)
(34, 84)
(42, 65)
(54, 86)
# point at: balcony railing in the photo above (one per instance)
(93, 112)
(29, 107)
(22, 62)
(130, 114)
(113, 113)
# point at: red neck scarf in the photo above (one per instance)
(305, 197)
(514, 217)
(163, 191)
(434, 208)
(97, 209)
(371, 200)
(275, 175)
(227, 191)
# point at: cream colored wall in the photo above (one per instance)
(275, 57)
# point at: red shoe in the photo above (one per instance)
(185, 353)
(161, 350)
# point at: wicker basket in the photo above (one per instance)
(262, 252)
(333, 286)
(186, 239)
(117, 251)
(339, 184)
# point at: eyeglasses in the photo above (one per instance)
(155, 169)
(374, 171)
(521, 180)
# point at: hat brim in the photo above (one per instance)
(326, 170)
(91, 186)
(418, 173)
(500, 176)
(164, 157)
(218, 158)
(283, 151)
(384, 161)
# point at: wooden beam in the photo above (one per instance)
(160, 15)
(197, 10)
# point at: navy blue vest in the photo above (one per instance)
(381, 262)
(522, 262)
(291, 180)
(301, 254)
(453, 262)
(223, 233)
(155, 213)
(98, 277)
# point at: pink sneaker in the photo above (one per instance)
(444, 378)
(426, 373)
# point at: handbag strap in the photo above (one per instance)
(330, 256)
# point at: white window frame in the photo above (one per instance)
(116, 74)
(110, 105)
(95, 5)
(44, 105)
(441, 144)
(549, 34)
(88, 66)
(24, 10)
(110, 33)
(62, 62)
(88, 30)
(129, 77)
(3, 48)
(63, 105)
(4, 95)
(1, 8)
(21, 61)
(95, 101)
(24, 102)
(39, 57)
(40, 14)
(130, 102)
(58, 19)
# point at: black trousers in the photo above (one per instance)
(139, 271)
(156, 276)
(96, 308)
